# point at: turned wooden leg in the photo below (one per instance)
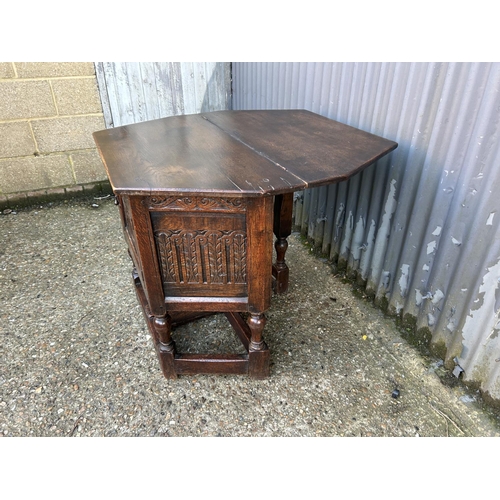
(282, 227)
(258, 352)
(165, 345)
(280, 269)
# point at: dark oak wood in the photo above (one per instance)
(315, 149)
(282, 227)
(190, 364)
(260, 253)
(237, 153)
(200, 197)
(186, 154)
(147, 260)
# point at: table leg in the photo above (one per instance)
(283, 207)
(165, 345)
(258, 352)
(161, 330)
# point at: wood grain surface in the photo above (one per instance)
(238, 153)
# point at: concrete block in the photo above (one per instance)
(88, 167)
(66, 134)
(55, 194)
(16, 200)
(6, 70)
(39, 196)
(77, 96)
(34, 173)
(54, 69)
(100, 188)
(44, 196)
(31, 99)
(16, 140)
(74, 190)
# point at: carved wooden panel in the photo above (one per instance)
(202, 256)
(196, 203)
(201, 253)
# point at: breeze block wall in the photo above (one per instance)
(48, 111)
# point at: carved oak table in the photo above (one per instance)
(200, 197)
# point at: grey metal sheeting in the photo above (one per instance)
(420, 227)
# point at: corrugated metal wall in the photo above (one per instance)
(133, 92)
(420, 229)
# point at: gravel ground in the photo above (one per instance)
(76, 358)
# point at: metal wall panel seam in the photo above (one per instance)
(405, 179)
(470, 205)
(418, 207)
(414, 156)
(437, 207)
(457, 191)
(378, 277)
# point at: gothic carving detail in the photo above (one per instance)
(196, 203)
(202, 257)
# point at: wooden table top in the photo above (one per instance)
(235, 153)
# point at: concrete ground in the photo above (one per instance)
(76, 358)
